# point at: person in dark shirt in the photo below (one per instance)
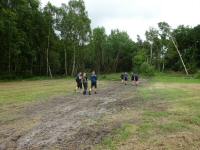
(135, 79)
(125, 78)
(93, 79)
(79, 81)
(85, 83)
(122, 77)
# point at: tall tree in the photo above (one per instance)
(166, 30)
(76, 28)
(50, 12)
(152, 37)
(98, 44)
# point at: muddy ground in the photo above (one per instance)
(70, 122)
(78, 122)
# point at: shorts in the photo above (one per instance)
(136, 78)
(85, 85)
(79, 85)
(126, 79)
(94, 84)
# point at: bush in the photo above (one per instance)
(192, 68)
(197, 75)
(147, 69)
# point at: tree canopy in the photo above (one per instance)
(59, 41)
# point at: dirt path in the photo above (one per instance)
(65, 122)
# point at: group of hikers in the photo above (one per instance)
(134, 78)
(82, 81)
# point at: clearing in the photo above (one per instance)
(49, 115)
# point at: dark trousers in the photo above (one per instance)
(85, 86)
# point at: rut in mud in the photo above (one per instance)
(69, 122)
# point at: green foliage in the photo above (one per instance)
(34, 39)
(140, 57)
(98, 43)
(120, 51)
(147, 69)
(197, 75)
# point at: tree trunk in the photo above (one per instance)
(116, 61)
(102, 59)
(9, 37)
(74, 62)
(47, 61)
(50, 72)
(48, 52)
(65, 62)
(31, 69)
(40, 66)
(163, 65)
(9, 60)
(186, 71)
(151, 55)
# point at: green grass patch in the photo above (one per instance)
(162, 94)
(118, 136)
(173, 127)
(145, 129)
(174, 78)
(110, 77)
(156, 114)
(25, 91)
(182, 99)
(194, 120)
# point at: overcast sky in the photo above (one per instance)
(136, 16)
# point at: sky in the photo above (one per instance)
(137, 16)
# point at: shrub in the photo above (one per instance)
(197, 75)
(192, 68)
(147, 69)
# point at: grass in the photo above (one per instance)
(173, 127)
(26, 91)
(182, 99)
(145, 129)
(195, 120)
(15, 95)
(158, 114)
(170, 106)
(174, 78)
(174, 110)
(110, 77)
(120, 135)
